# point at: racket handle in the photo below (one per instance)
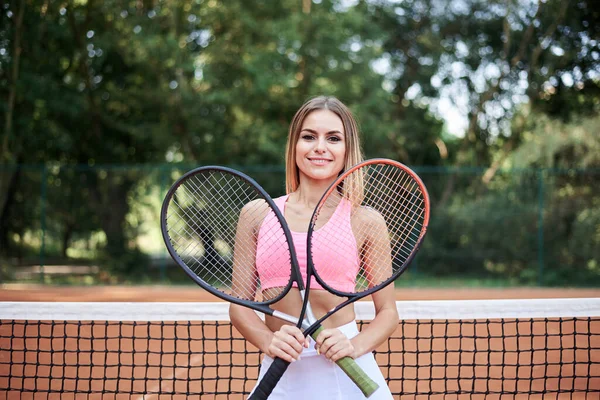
(269, 380)
(354, 371)
(366, 385)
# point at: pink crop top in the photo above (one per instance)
(339, 272)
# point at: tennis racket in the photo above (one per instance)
(211, 219)
(368, 226)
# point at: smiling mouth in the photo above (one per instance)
(319, 160)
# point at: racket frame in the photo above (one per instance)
(352, 297)
(362, 380)
(295, 275)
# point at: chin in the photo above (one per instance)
(323, 176)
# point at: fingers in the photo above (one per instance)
(295, 333)
(287, 343)
(334, 345)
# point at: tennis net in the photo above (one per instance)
(493, 349)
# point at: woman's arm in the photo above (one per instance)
(377, 263)
(335, 345)
(376, 257)
(285, 343)
(382, 326)
(252, 328)
(244, 277)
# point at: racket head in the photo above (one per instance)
(210, 221)
(371, 221)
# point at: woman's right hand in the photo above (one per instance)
(287, 343)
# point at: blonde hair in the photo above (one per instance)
(352, 140)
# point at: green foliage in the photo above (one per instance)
(584, 243)
(88, 85)
(487, 231)
(548, 142)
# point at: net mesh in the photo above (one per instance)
(440, 350)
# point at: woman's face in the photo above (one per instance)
(321, 146)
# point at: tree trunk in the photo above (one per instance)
(66, 239)
(8, 200)
(14, 77)
(9, 181)
(109, 200)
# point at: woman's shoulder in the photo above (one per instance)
(281, 198)
(368, 216)
(262, 204)
(255, 205)
(254, 212)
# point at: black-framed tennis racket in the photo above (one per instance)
(211, 219)
(368, 225)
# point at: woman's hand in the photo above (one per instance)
(333, 344)
(287, 343)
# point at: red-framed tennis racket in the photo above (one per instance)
(386, 209)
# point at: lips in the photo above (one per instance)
(319, 161)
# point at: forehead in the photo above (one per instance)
(323, 120)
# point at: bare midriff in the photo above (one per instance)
(321, 302)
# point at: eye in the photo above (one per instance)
(307, 136)
(335, 139)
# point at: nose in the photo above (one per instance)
(321, 145)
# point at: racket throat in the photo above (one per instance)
(290, 319)
(310, 316)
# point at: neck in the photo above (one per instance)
(309, 192)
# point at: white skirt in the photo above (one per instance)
(314, 377)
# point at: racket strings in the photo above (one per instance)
(255, 214)
(203, 218)
(386, 227)
(396, 196)
(232, 196)
(197, 206)
(404, 210)
(411, 198)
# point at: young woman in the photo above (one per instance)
(323, 140)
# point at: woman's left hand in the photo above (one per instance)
(333, 344)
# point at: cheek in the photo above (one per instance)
(342, 154)
(300, 154)
(300, 147)
(299, 151)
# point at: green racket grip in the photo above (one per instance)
(263, 390)
(354, 371)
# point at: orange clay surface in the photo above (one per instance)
(425, 362)
(26, 292)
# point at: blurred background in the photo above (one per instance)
(103, 104)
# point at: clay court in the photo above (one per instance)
(94, 360)
(25, 292)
